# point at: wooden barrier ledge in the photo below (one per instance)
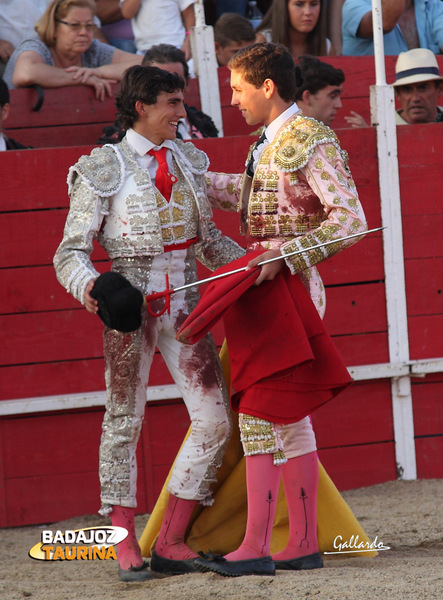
(73, 117)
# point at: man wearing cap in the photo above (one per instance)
(418, 87)
(144, 200)
(406, 24)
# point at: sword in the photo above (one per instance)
(168, 291)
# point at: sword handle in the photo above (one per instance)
(156, 295)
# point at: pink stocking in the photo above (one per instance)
(171, 539)
(128, 551)
(300, 479)
(262, 481)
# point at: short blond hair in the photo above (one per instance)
(58, 9)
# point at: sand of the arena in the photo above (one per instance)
(407, 516)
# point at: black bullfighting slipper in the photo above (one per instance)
(235, 568)
(134, 573)
(303, 563)
(167, 566)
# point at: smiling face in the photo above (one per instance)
(303, 14)
(251, 101)
(419, 101)
(158, 122)
(68, 39)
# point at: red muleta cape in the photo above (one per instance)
(284, 364)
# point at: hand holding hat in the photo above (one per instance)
(119, 302)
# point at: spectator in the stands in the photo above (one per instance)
(17, 23)
(319, 96)
(160, 22)
(298, 24)
(407, 24)
(6, 143)
(418, 86)
(196, 124)
(17, 20)
(65, 53)
(117, 30)
(232, 32)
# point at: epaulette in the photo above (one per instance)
(102, 171)
(196, 160)
(298, 140)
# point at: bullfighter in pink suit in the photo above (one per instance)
(301, 194)
(296, 192)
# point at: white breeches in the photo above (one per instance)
(196, 371)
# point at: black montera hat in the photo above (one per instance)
(119, 302)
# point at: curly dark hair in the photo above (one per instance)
(145, 84)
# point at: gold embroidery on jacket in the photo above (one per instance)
(298, 142)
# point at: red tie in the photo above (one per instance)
(163, 178)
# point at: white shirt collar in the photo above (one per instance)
(2, 142)
(272, 129)
(142, 145)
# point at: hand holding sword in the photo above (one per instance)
(268, 270)
(119, 303)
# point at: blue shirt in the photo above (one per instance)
(429, 21)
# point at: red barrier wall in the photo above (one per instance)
(48, 461)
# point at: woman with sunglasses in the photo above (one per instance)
(65, 52)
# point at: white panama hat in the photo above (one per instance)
(413, 66)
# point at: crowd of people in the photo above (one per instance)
(317, 27)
